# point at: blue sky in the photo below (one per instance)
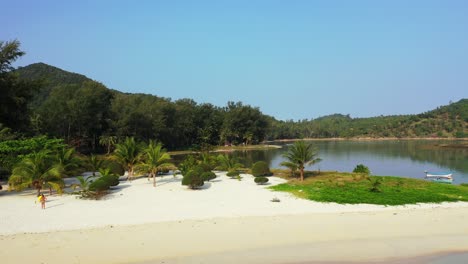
(293, 59)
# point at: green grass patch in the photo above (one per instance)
(350, 188)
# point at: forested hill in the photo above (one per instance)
(80, 110)
(52, 75)
(446, 121)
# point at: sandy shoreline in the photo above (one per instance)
(226, 222)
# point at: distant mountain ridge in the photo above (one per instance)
(53, 75)
(445, 121)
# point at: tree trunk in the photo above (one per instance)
(302, 173)
(154, 179)
(50, 190)
(130, 173)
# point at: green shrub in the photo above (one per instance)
(233, 174)
(193, 179)
(111, 180)
(361, 169)
(188, 164)
(208, 175)
(464, 184)
(375, 185)
(205, 167)
(261, 180)
(260, 168)
(114, 167)
(99, 186)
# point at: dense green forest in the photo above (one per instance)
(40, 99)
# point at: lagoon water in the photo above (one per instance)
(405, 158)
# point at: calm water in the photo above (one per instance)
(407, 158)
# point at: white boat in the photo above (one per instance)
(439, 177)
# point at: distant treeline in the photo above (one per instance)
(43, 100)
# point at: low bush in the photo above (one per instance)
(193, 179)
(99, 186)
(208, 175)
(233, 174)
(114, 167)
(361, 168)
(260, 168)
(111, 180)
(261, 180)
(103, 183)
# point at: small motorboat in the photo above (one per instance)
(439, 177)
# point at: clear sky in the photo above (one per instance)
(293, 59)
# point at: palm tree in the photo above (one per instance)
(155, 159)
(227, 163)
(108, 141)
(67, 160)
(301, 154)
(128, 154)
(290, 165)
(84, 183)
(39, 171)
(94, 163)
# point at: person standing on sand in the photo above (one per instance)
(42, 199)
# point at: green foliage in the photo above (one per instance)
(94, 163)
(228, 163)
(86, 114)
(301, 154)
(232, 173)
(376, 183)
(194, 179)
(100, 185)
(208, 175)
(261, 168)
(15, 93)
(243, 124)
(346, 188)
(104, 182)
(291, 166)
(114, 166)
(189, 163)
(68, 161)
(12, 151)
(128, 153)
(361, 168)
(39, 171)
(83, 183)
(108, 141)
(261, 180)
(154, 160)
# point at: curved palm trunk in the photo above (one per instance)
(302, 173)
(154, 179)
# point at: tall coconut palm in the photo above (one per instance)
(155, 159)
(301, 154)
(38, 171)
(108, 141)
(128, 154)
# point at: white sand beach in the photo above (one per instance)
(228, 221)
